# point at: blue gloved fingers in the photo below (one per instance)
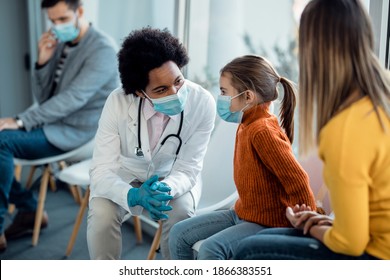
(154, 186)
(160, 186)
(150, 182)
(155, 202)
(162, 197)
(164, 188)
(164, 208)
(133, 197)
(157, 215)
(154, 217)
(151, 193)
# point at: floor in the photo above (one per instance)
(62, 211)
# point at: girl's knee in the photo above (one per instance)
(178, 231)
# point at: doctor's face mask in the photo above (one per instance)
(172, 104)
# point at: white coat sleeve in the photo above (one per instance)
(104, 172)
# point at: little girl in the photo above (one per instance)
(268, 178)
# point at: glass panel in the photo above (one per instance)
(218, 35)
(119, 17)
(221, 30)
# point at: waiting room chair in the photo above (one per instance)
(81, 153)
(78, 175)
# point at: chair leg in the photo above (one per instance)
(41, 205)
(155, 243)
(18, 175)
(137, 229)
(79, 195)
(77, 224)
(52, 180)
(18, 172)
(30, 176)
(76, 193)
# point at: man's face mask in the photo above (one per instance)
(172, 104)
(66, 32)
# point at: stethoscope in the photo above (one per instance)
(138, 150)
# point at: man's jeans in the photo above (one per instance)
(25, 145)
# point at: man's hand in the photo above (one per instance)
(8, 123)
(46, 47)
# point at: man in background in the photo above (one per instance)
(75, 72)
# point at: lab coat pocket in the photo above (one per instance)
(133, 167)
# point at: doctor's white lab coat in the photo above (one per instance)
(115, 165)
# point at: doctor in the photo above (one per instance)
(151, 141)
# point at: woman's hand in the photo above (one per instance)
(302, 218)
(298, 218)
(319, 220)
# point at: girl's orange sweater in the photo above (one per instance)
(266, 173)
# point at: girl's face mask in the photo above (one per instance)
(224, 103)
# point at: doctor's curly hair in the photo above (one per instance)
(144, 50)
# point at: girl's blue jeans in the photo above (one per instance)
(222, 231)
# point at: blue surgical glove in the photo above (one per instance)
(152, 200)
(160, 186)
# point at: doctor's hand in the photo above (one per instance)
(151, 199)
(160, 186)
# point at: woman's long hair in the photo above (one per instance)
(336, 61)
(251, 72)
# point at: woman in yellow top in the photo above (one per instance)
(345, 109)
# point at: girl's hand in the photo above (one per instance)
(301, 208)
(298, 218)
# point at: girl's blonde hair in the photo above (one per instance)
(251, 72)
(336, 60)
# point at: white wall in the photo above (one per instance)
(15, 88)
(119, 17)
